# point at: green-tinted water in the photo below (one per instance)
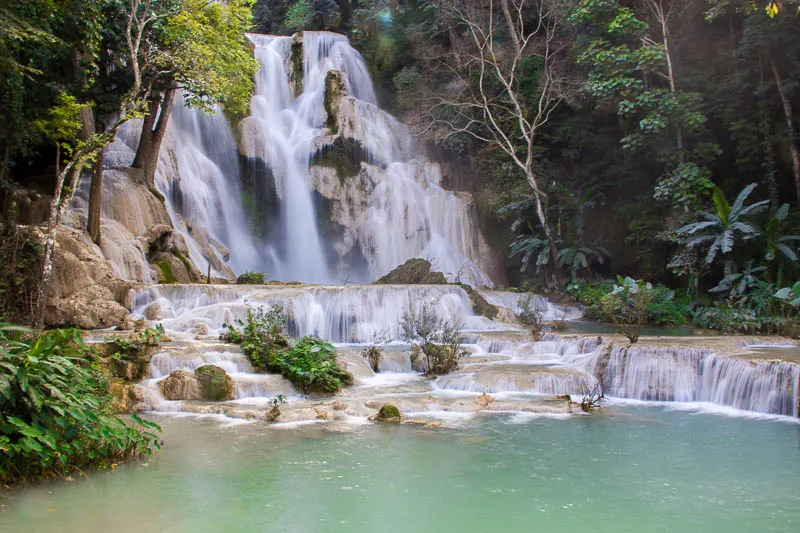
(637, 470)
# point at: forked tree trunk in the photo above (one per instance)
(153, 130)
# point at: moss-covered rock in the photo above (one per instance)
(343, 155)
(297, 69)
(215, 384)
(388, 413)
(252, 278)
(413, 272)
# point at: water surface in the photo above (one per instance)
(631, 469)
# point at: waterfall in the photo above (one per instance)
(352, 314)
(386, 207)
(281, 131)
(681, 374)
(198, 174)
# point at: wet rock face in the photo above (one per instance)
(215, 384)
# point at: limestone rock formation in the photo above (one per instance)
(180, 385)
(84, 292)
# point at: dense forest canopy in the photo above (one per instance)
(650, 138)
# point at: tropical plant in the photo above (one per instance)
(738, 283)
(55, 415)
(790, 295)
(718, 230)
(627, 305)
(774, 242)
(578, 256)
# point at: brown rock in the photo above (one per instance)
(180, 385)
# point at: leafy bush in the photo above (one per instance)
(664, 309)
(252, 278)
(439, 337)
(260, 333)
(55, 415)
(627, 306)
(309, 363)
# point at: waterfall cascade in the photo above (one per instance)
(330, 148)
(350, 196)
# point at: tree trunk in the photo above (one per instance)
(673, 86)
(788, 113)
(540, 212)
(49, 245)
(96, 199)
(153, 130)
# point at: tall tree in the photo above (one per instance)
(506, 65)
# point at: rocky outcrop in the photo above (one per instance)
(180, 385)
(85, 292)
(215, 384)
(415, 271)
(207, 383)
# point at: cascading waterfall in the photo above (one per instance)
(682, 374)
(392, 210)
(198, 173)
(283, 131)
(354, 314)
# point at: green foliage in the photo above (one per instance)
(790, 295)
(309, 363)
(55, 415)
(207, 53)
(776, 244)
(260, 333)
(718, 230)
(299, 16)
(131, 346)
(627, 305)
(62, 122)
(251, 278)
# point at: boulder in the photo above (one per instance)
(215, 384)
(91, 308)
(180, 385)
(413, 272)
(388, 413)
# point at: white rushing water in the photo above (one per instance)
(394, 209)
(499, 359)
